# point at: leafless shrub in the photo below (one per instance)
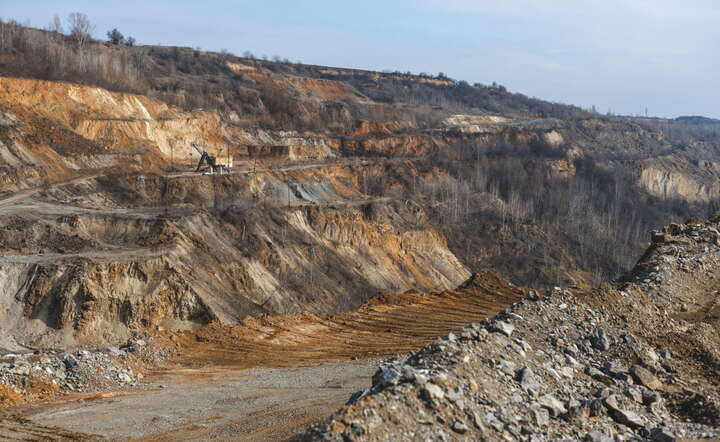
(81, 28)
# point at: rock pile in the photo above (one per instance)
(44, 374)
(682, 262)
(548, 368)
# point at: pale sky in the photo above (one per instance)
(619, 55)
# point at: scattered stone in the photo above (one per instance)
(599, 339)
(432, 392)
(69, 360)
(503, 327)
(644, 377)
(554, 406)
(459, 427)
(634, 394)
(650, 397)
(624, 417)
(124, 377)
(597, 408)
(528, 381)
(597, 436)
(615, 369)
(478, 422)
(541, 416)
(507, 367)
(385, 377)
(661, 435)
(577, 413)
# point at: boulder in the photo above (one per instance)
(599, 339)
(385, 377)
(503, 327)
(621, 416)
(527, 379)
(644, 377)
(432, 392)
(69, 360)
(552, 404)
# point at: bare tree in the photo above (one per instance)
(81, 28)
(56, 25)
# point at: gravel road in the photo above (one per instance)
(222, 404)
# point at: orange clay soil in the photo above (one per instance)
(385, 325)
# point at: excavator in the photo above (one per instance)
(212, 165)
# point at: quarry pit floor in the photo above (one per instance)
(266, 378)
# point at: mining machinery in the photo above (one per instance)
(212, 164)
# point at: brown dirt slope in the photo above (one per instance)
(386, 325)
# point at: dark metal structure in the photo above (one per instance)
(207, 159)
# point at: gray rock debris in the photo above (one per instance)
(76, 371)
(597, 436)
(69, 360)
(503, 327)
(385, 377)
(561, 376)
(621, 416)
(599, 339)
(553, 405)
(528, 380)
(644, 377)
(459, 427)
(432, 392)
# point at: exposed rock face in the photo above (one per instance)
(675, 178)
(91, 256)
(199, 269)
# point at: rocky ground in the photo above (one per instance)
(636, 362)
(43, 375)
(267, 378)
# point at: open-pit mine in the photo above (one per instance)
(227, 248)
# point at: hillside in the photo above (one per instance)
(342, 215)
(345, 183)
